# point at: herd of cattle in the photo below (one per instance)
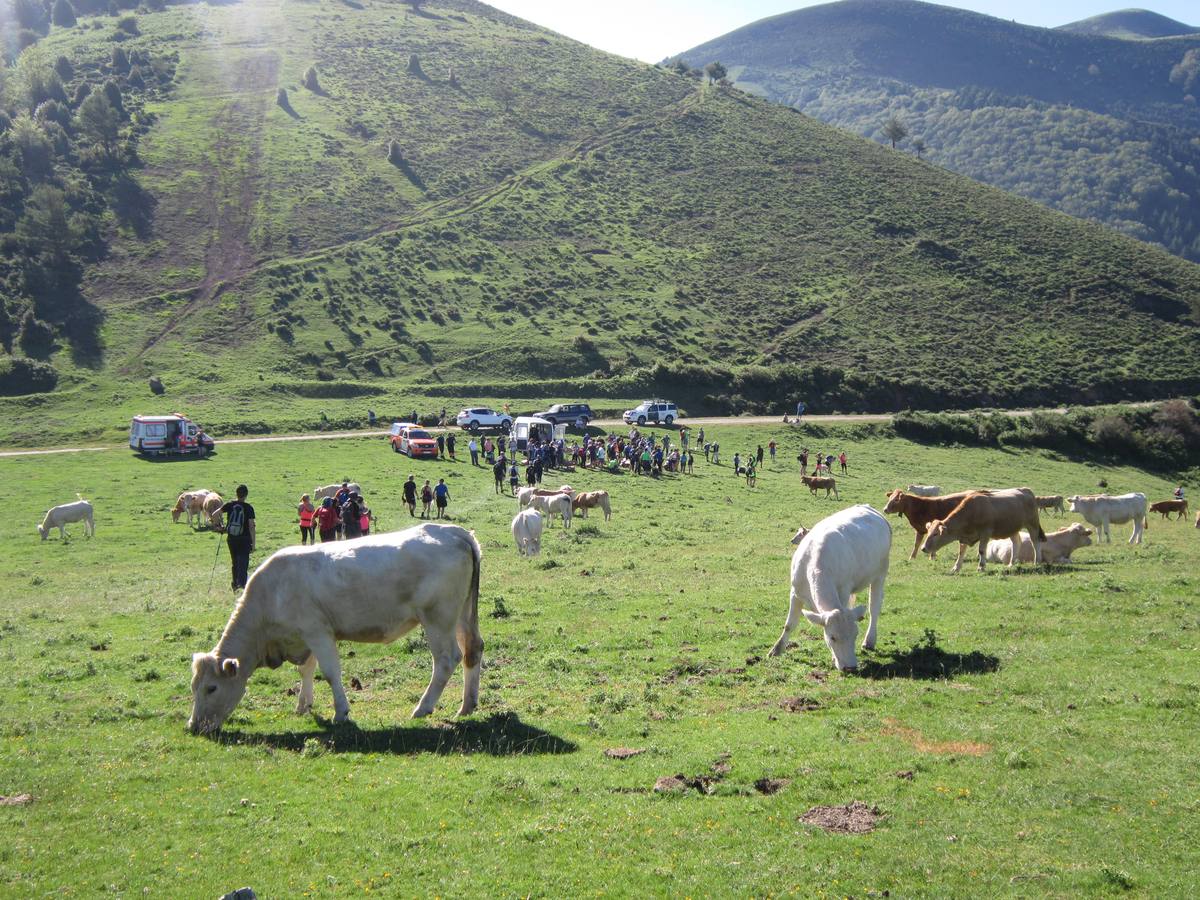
(428, 575)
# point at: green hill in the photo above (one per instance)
(1131, 24)
(1100, 128)
(463, 205)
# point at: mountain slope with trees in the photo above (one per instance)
(339, 207)
(1130, 23)
(1098, 127)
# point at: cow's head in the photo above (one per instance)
(935, 537)
(841, 633)
(801, 534)
(893, 503)
(176, 511)
(1081, 534)
(217, 687)
(43, 531)
(1071, 501)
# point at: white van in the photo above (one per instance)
(173, 434)
(525, 428)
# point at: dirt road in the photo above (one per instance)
(712, 421)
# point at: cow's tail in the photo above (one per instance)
(1041, 534)
(471, 643)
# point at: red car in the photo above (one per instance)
(413, 440)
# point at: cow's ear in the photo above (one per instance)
(229, 667)
(859, 613)
(817, 618)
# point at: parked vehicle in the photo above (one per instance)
(412, 440)
(477, 417)
(526, 428)
(168, 435)
(571, 413)
(653, 412)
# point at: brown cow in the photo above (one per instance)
(983, 515)
(815, 484)
(590, 500)
(1166, 507)
(1054, 502)
(920, 511)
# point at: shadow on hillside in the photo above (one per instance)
(926, 661)
(500, 734)
(133, 205)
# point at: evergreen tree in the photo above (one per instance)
(64, 14)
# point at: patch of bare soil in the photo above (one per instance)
(622, 752)
(852, 818)
(892, 728)
(906, 775)
(17, 800)
(799, 704)
(771, 786)
(705, 784)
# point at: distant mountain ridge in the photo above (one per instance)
(1130, 23)
(1098, 127)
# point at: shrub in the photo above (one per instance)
(26, 376)
(1114, 434)
(37, 337)
(129, 25)
(120, 60)
(135, 78)
(63, 68)
(310, 80)
(394, 154)
(63, 15)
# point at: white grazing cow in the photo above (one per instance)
(330, 490)
(303, 600)
(552, 505)
(527, 532)
(838, 557)
(1056, 548)
(64, 514)
(1101, 509)
(924, 490)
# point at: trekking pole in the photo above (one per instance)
(213, 573)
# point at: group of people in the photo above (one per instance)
(823, 463)
(437, 495)
(343, 516)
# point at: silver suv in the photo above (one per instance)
(654, 412)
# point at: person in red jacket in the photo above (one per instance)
(327, 520)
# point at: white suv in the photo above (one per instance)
(656, 412)
(482, 417)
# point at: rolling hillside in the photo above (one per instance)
(1130, 23)
(1097, 127)
(463, 205)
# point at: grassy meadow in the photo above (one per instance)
(1025, 734)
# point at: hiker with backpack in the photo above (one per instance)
(441, 494)
(327, 520)
(352, 518)
(239, 531)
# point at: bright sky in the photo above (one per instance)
(651, 30)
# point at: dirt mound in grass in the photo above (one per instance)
(17, 800)
(799, 704)
(852, 818)
(622, 752)
(893, 728)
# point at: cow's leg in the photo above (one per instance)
(470, 644)
(305, 701)
(962, 551)
(1138, 525)
(789, 625)
(324, 648)
(1016, 548)
(446, 655)
(983, 555)
(876, 608)
(916, 545)
(1107, 533)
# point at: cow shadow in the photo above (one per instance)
(500, 734)
(926, 661)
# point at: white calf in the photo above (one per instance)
(330, 490)
(839, 556)
(552, 505)
(61, 516)
(527, 532)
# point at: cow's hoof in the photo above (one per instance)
(465, 710)
(342, 718)
(420, 712)
(303, 708)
